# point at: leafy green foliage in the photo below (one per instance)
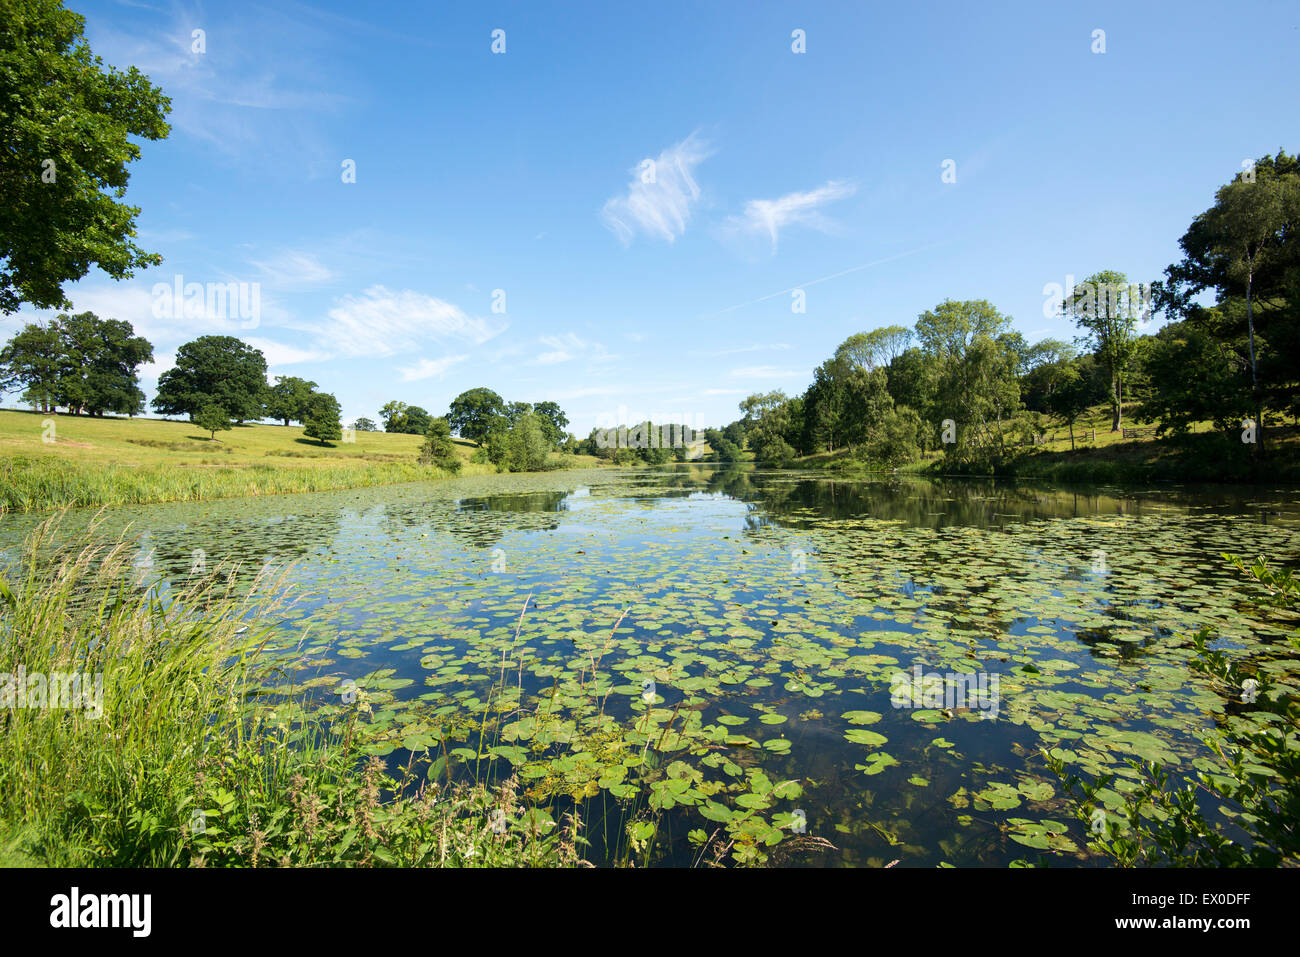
(520, 448)
(66, 120)
(1245, 249)
(219, 369)
(475, 412)
(1106, 305)
(212, 419)
(323, 419)
(81, 362)
(289, 399)
(438, 449)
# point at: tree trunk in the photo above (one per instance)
(1071, 435)
(1254, 376)
(1116, 412)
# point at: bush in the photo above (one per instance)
(438, 448)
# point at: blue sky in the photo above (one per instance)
(773, 170)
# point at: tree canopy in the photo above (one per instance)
(66, 120)
(219, 369)
(474, 412)
(81, 362)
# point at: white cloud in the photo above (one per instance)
(570, 346)
(251, 94)
(767, 217)
(134, 303)
(428, 368)
(660, 196)
(278, 354)
(380, 322)
(150, 371)
(294, 268)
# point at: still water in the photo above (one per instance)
(759, 657)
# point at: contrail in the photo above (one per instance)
(844, 272)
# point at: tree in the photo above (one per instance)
(949, 328)
(1194, 376)
(289, 399)
(1108, 307)
(1245, 248)
(1069, 396)
(219, 369)
(394, 415)
(970, 375)
(521, 448)
(33, 359)
(875, 349)
(365, 425)
(554, 421)
(98, 368)
(403, 418)
(81, 362)
(438, 448)
(474, 412)
(774, 424)
(891, 439)
(416, 422)
(212, 419)
(517, 410)
(323, 418)
(911, 383)
(66, 120)
(724, 450)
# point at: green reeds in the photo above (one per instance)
(165, 756)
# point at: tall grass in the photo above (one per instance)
(179, 765)
(47, 482)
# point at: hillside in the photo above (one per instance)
(113, 461)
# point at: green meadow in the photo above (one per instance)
(48, 461)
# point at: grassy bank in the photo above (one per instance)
(49, 461)
(1101, 456)
(1204, 457)
(163, 755)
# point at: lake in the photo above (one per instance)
(773, 656)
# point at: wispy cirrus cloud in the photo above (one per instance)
(381, 322)
(293, 268)
(280, 354)
(767, 217)
(232, 86)
(661, 196)
(428, 368)
(570, 346)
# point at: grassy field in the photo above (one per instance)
(47, 461)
